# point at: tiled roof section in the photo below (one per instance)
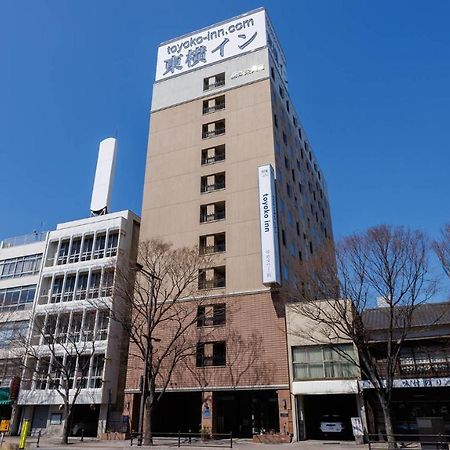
(425, 315)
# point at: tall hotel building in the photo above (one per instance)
(230, 169)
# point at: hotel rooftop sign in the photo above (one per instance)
(236, 36)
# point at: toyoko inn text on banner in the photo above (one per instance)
(231, 38)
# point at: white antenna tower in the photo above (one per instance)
(104, 177)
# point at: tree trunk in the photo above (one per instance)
(387, 421)
(66, 425)
(148, 438)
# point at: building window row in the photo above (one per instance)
(98, 245)
(17, 298)
(321, 362)
(84, 371)
(81, 285)
(21, 266)
(71, 327)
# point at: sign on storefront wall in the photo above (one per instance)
(412, 383)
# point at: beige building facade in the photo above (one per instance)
(220, 111)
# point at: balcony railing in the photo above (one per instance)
(211, 284)
(219, 215)
(218, 83)
(213, 108)
(37, 236)
(213, 187)
(212, 133)
(207, 249)
(213, 159)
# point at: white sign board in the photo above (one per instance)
(411, 383)
(239, 35)
(270, 259)
(357, 426)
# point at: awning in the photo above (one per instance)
(4, 396)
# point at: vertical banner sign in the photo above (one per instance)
(270, 260)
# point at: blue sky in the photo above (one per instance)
(371, 81)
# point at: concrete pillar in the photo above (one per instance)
(207, 412)
(102, 416)
(285, 412)
(360, 404)
(15, 420)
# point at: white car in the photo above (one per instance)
(331, 424)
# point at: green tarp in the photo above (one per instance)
(4, 396)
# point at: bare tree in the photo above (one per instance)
(55, 358)
(442, 249)
(339, 286)
(162, 295)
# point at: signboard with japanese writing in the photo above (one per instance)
(239, 35)
(412, 383)
(270, 260)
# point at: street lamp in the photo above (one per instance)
(148, 351)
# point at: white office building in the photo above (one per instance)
(75, 296)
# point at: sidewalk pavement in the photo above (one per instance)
(11, 443)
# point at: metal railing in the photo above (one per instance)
(213, 159)
(37, 236)
(412, 441)
(218, 83)
(216, 132)
(213, 108)
(182, 439)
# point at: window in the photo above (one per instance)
(287, 106)
(214, 104)
(286, 163)
(300, 256)
(300, 133)
(63, 253)
(50, 328)
(98, 363)
(288, 190)
(300, 187)
(212, 129)
(286, 273)
(82, 284)
(212, 243)
(285, 138)
(75, 249)
(294, 120)
(310, 247)
(281, 91)
(212, 212)
(99, 246)
(211, 278)
(293, 175)
(102, 325)
(211, 354)
(42, 373)
(275, 120)
(11, 333)
(83, 370)
(69, 288)
(113, 242)
(20, 267)
(94, 284)
(214, 81)
(214, 182)
(13, 299)
(89, 325)
(107, 283)
(211, 315)
(88, 243)
(272, 73)
(75, 327)
(57, 288)
(318, 362)
(298, 228)
(63, 328)
(283, 237)
(213, 155)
